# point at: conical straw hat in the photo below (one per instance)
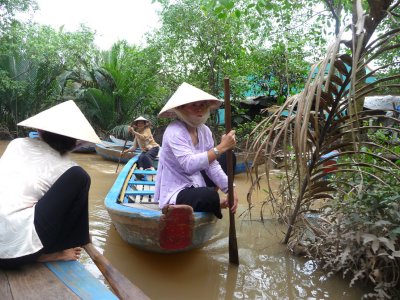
(185, 94)
(64, 119)
(146, 122)
(140, 119)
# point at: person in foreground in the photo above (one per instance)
(188, 149)
(140, 130)
(43, 193)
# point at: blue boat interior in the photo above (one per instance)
(141, 187)
(74, 275)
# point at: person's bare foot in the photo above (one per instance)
(224, 203)
(68, 254)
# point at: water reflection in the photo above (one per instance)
(266, 270)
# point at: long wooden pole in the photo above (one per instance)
(233, 249)
(120, 155)
(122, 287)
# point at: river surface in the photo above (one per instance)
(266, 269)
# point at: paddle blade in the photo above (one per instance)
(123, 288)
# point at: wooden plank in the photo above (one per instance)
(140, 182)
(36, 281)
(5, 290)
(149, 205)
(145, 172)
(141, 199)
(139, 193)
(80, 281)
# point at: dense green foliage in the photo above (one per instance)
(41, 66)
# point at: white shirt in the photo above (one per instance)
(28, 168)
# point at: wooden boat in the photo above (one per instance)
(112, 151)
(243, 162)
(84, 147)
(33, 134)
(53, 280)
(139, 221)
(120, 142)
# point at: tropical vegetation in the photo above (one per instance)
(346, 217)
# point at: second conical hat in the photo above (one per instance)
(64, 119)
(140, 119)
(185, 94)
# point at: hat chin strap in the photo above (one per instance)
(190, 120)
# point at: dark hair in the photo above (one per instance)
(58, 142)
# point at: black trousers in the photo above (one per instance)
(203, 199)
(61, 216)
(146, 159)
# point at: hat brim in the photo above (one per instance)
(171, 114)
(140, 118)
(186, 94)
(64, 119)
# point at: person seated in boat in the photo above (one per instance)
(43, 193)
(143, 139)
(188, 149)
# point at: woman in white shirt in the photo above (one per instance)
(43, 193)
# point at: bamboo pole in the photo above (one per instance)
(120, 155)
(233, 249)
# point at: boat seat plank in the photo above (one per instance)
(139, 182)
(36, 281)
(140, 193)
(80, 280)
(141, 199)
(150, 205)
(145, 172)
(141, 187)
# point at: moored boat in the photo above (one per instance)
(112, 151)
(120, 142)
(33, 134)
(139, 221)
(84, 147)
(243, 162)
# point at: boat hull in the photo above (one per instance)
(243, 162)
(112, 152)
(175, 229)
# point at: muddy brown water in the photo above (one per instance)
(266, 270)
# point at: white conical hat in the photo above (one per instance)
(64, 119)
(140, 119)
(185, 94)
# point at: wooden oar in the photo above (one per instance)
(233, 249)
(120, 155)
(122, 287)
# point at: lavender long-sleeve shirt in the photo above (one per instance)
(180, 163)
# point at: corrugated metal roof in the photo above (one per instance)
(382, 102)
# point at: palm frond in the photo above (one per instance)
(326, 118)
